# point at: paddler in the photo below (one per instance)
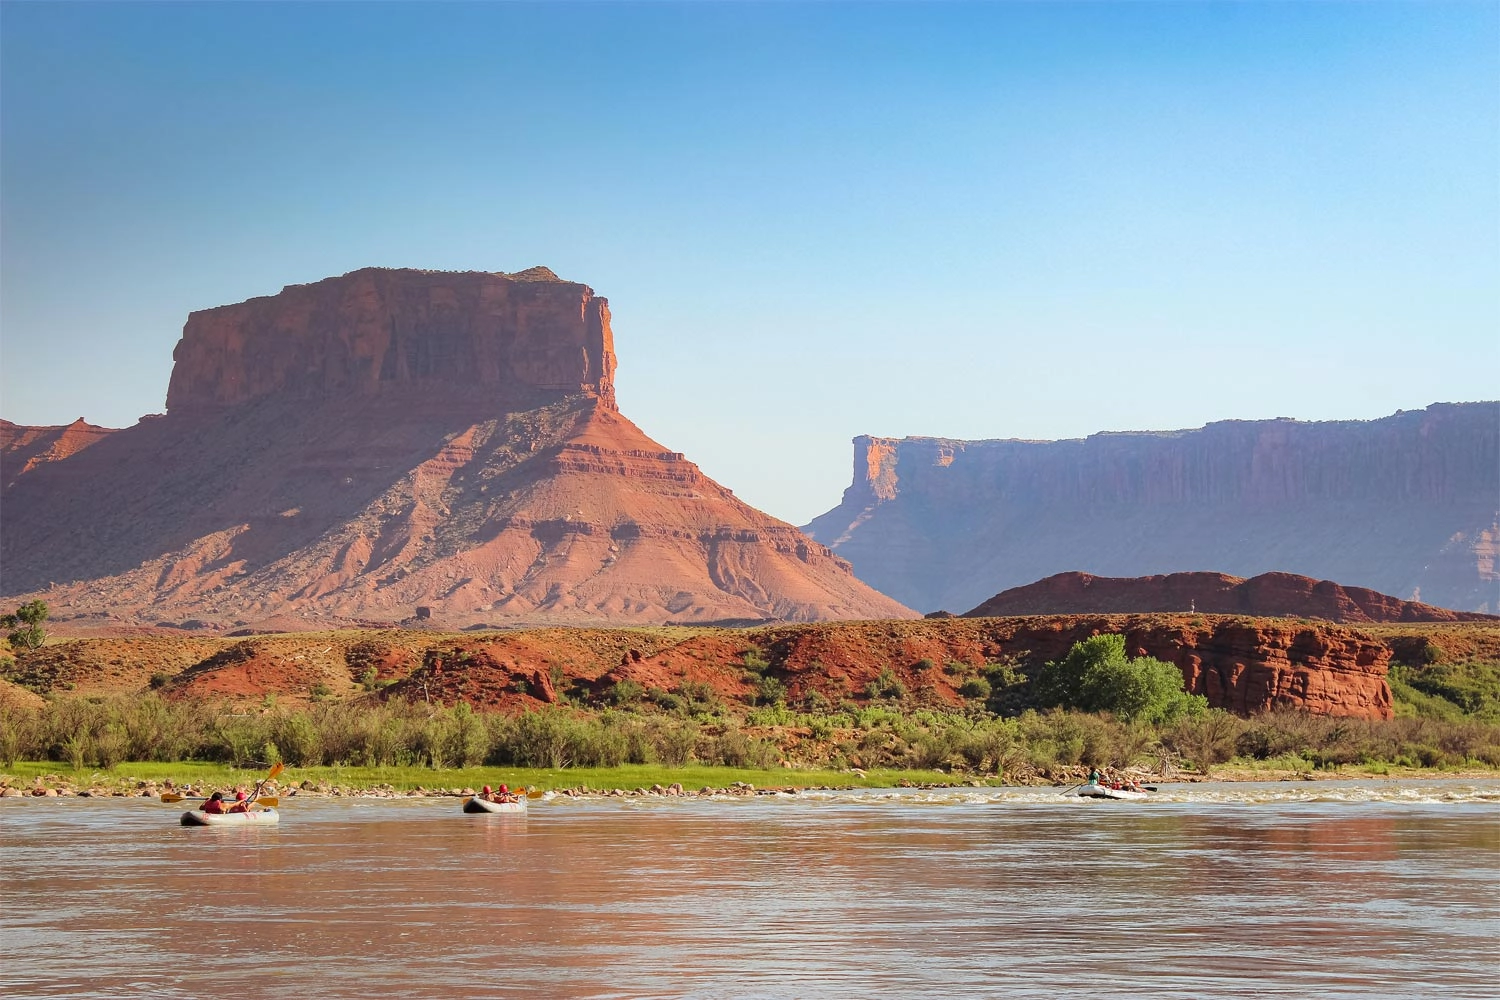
(241, 803)
(215, 804)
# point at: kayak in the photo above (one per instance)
(478, 805)
(260, 817)
(1102, 792)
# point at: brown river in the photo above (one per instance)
(1308, 889)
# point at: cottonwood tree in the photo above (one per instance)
(1097, 676)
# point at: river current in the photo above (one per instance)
(1307, 889)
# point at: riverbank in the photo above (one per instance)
(151, 779)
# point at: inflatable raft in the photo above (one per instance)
(478, 805)
(1103, 792)
(260, 817)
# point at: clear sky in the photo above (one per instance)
(812, 220)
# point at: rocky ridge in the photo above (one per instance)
(1273, 595)
(1242, 664)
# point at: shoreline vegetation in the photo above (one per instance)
(135, 744)
(1046, 724)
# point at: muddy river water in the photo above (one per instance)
(1372, 889)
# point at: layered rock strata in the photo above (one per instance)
(515, 337)
(1407, 505)
(353, 449)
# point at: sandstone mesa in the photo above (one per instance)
(1407, 505)
(349, 450)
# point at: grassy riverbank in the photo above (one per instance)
(129, 775)
(144, 778)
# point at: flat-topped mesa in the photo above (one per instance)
(1404, 505)
(523, 336)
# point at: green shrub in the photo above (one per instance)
(975, 687)
(626, 692)
(886, 685)
(1205, 738)
(770, 691)
(1097, 676)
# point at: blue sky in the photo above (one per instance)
(812, 220)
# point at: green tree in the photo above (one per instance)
(26, 625)
(1097, 676)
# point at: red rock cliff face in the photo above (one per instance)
(1407, 505)
(511, 335)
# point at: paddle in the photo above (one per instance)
(270, 800)
(276, 769)
(1077, 786)
(265, 800)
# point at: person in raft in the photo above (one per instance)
(215, 803)
(241, 803)
(1094, 776)
(504, 795)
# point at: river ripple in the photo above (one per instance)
(1377, 889)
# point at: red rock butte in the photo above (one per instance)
(350, 450)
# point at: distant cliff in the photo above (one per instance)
(1407, 505)
(1270, 595)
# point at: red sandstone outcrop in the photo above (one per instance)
(1244, 665)
(348, 451)
(1270, 595)
(1406, 505)
(511, 335)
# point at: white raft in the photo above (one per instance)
(479, 805)
(1102, 792)
(260, 817)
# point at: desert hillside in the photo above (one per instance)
(1243, 664)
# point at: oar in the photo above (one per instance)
(271, 801)
(276, 769)
(265, 800)
(1067, 790)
